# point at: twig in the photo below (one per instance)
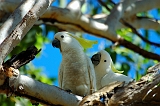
(138, 34)
(135, 48)
(132, 28)
(103, 4)
(121, 41)
(139, 50)
(112, 2)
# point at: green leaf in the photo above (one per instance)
(125, 33)
(125, 67)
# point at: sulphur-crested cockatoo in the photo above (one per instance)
(76, 73)
(105, 70)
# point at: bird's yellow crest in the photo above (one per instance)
(84, 42)
(115, 70)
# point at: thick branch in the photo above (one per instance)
(146, 23)
(117, 12)
(9, 25)
(134, 94)
(40, 92)
(20, 85)
(23, 27)
(141, 6)
(75, 7)
(136, 22)
(64, 19)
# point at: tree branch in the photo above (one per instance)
(105, 5)
(75, 7)
(140, 6)
(117, 13)
(21, 85)
(23, 27)
(138, 50)
(22, 58)
(63, 18)
(14, 18)
(34, 90)
(134, 94)
(134, 29)
(138, 34)
(141, 22)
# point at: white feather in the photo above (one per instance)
(104, 73)
(76, 71)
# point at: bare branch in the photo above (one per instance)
(139, 50)
(140, 6)
(46, 94)
(83, 26)
(134, 94)
(146, 23)
(75, 7)
(22, 58)
(64, 19)
(117, 13)
(15, 18)
(138, 34)
(143, 52)
(23, 27)
(20, 85)
(105, 5)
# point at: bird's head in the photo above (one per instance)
(64, 41)
(101, 59)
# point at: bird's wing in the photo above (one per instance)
(92, 76)
(60, 75)
(111, 77)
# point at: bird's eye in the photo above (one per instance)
(105, 60)
(62, 36)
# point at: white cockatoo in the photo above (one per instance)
(76, 73)
(105, 70)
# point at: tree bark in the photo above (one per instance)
(66, 19)
(144, 92)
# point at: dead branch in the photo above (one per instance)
(22, 58)
(20, 85)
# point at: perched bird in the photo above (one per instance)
(76, 73)
(105, 70)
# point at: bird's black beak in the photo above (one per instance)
(56, 43)
(96, 59)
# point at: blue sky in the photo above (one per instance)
(51, 57)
